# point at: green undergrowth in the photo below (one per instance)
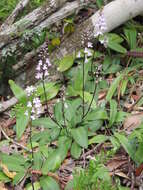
(79, 119)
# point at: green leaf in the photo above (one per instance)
(129, 148)
(113, 112)
(52, 163)
(139, 154)
(131, 37)
(48, 183)
(124, 86)
(51, 91)
(21, 122)
(98, 139)
(120, 117)
(4, 178)
(115, 38)
(117, 47)
(75, 150)
(96, 115)
(36, 186)
(45, 122)
(66, 63)
(55, 159)
(113, 87)
(80, 135)
(19, 93)
(114, 41)
(88, 97)
(14, 162)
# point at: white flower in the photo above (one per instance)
(39, 76)
(79, 55)
(86, 59)
(100, 26)
(26, 113)
(33, 117)
(46, 73)
(30, 90)
(48, 62)
(38, 68)
(40, 62)
(29, 104)
(87, 51)
(66, 105)
(104, 41)
(90, 45)
(44, 67)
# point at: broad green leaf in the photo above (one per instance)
(66, 63)
(69, 185)
(52, 163)
(18, 177)
(36, 186)
(80, 135)
(124, 86)
(19, 93)
(45, 122)
(88, 97)
(75, 150)
(50, 93)
(14, 162)
(139, 154)
(55, 159)
(4, 178)
(113, 87)
(21, 123)
(99, 3)
(113, 112)
(48, 183)
(58, 113)
(107, 62)
(131, 37)
(120, 116)
(38, 161)
(78, 76)
(112, 37)
(129, 148)
(117, 47)
(98, 139)
(96, 115)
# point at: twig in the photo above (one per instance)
(14, 142)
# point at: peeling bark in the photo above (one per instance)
(10, 20)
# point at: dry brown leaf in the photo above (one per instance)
(132, 122)
(121, 174)
(6, 171)
(114, 164)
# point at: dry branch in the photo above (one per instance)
(31, 20)
(18, 9)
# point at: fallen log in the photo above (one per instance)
(18, 9)
(29, 21)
